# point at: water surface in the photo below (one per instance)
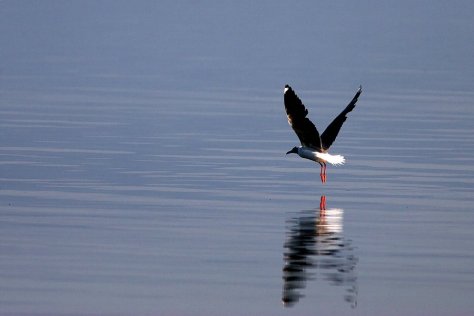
(146, 174)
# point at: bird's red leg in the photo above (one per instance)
(324, 172)
(321, 173)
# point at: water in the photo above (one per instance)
(143, 173)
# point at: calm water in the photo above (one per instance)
(142, 184)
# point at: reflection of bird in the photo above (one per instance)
(314, 146)
(316, 243)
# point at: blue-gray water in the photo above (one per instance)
(143, 167)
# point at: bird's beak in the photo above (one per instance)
(289, 152)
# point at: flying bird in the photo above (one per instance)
(313, 145)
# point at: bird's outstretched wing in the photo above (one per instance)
(330, 134)
(303, 127)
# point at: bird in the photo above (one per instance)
(315, 146)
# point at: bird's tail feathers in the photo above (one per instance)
(332, 159)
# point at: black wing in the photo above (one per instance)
(303, 127)
(330, 134)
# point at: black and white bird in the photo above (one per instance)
(313, 145)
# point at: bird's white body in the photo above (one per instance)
(311, 154)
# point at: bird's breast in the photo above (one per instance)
(307, 153)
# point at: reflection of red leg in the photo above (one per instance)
(322, 204)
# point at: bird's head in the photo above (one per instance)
(294, 150)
